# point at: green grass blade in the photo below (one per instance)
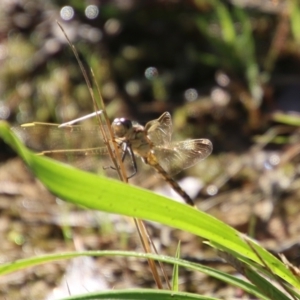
(226, 22)
(232, 280)
(140, 294)
(245, 49)
(268, 287)
(175, 274)
(286, 119)
(294, 8)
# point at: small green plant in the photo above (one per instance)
(233, 43)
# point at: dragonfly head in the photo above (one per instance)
(121, 126)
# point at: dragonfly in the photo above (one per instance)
(152, 143)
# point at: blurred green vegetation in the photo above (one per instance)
(213, 62)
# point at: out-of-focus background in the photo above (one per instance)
(228, 71)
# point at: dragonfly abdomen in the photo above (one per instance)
(152, 161)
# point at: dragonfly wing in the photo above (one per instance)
(159, 131)
(86, 159)
(182, 155)
(76, 145)
(48, 136)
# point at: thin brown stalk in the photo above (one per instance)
(114, 153)
(264, 263)
(101, 125)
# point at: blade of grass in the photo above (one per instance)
(226, 22)
(232, 280)
(294, 9)
(286, 119)
(267, 287)
(175, 274)
(140, 294)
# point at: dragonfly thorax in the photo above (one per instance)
(132, 134)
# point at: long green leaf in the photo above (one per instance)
(140, 294)
(175, 273)
(232, 280)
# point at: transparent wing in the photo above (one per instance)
(48, 136)
(159, 131)
(76, 145)
(182, 155)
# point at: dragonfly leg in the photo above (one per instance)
(133, 161)
(122, 158)
(126, 149)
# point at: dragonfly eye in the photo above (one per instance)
(121, 126)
